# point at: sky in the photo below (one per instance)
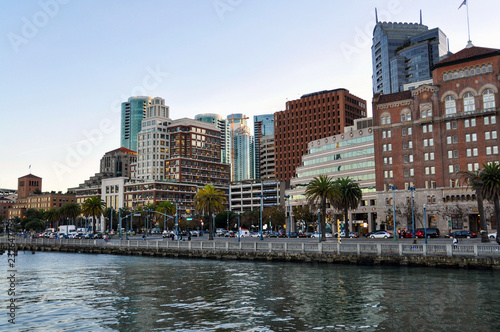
(67, 65)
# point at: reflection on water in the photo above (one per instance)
(77, 292)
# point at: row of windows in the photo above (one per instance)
(339, 156)
(469, 102)
(467, 72)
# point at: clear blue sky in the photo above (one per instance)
(66, 65)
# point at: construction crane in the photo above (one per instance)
(232, 118)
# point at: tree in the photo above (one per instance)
(304, 214)
(473, 180)
(319, 192)
(348, 195)
(211, 200)
(491, 188)
(72, 210)
(93, 206)
(51, 215)
(168, 208)
(36, 225)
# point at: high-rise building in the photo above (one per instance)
(242, 148)
(267, 165)
(263, 125)
(153, 144)
(425, 136)
(350, 154)
(224, 127)
(133, 111)
(403, 53)
(312, 117)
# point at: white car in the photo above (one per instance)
(316, 235)
(492, 236)
(381, 235)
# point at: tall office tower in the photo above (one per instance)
(242, 163)
(224, 127)
(263, 125)
(403, 53)
(195, 149)
(426, 136)
(133, 111)
(153, 141)
(312, 117)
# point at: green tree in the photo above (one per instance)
(304, 214)
(93, 206)
(168, 208)
(51, 215)
(72, 210)
(36, 225)
(491, 188)
(211, 200)
(474, 180)
(319, 192)
(348, 197)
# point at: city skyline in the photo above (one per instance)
(67, 78)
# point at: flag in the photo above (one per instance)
(463, 3)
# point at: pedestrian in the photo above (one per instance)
(189, 236)
(144, 236)
(399, 233)
(455, 242)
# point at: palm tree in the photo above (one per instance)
(474, 180)
(210, 200)
(166, 207)
(348, 197)
(491, 187)
(72, 210)
(321, 190)
(51, 215)
(93, 206)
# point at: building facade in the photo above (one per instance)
(225, 131)
(404, 53)
(350, 154)
(246, 195)
(263, 125)
(428, 135)
(132, 113)
(28, 184)
(267, 165)
(312, 117)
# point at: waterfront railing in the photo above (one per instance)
(387, 249)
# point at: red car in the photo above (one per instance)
(419, 233)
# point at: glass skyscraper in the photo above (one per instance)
(263, 125)
(133, 111)
(403, 53)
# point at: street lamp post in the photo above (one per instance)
(261, 205)
(412, 189)
(147, 221)
(287, 197)
(239, 231)
(394, 188)
(319, 225)
(176, 219)
(111, 230)
(425, 225)
(120, 222)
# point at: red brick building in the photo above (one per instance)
(423, 137)
(313, 116)
(27, 185)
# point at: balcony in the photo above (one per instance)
(475, 113)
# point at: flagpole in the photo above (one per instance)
(468, 29)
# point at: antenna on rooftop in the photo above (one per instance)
(376, 15)
(420, 16)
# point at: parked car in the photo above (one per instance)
(462, 234)
(431, 232)
(254, 234)
(351, 234)
(273, 234)
(492, 236)
(194, 233)
(381, 235)
(305, 235)
(316, 235)
(370, 233)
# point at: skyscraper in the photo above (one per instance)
(224, 127)
(242, 154)
(133, 111)
(403, 53)
(263, 125)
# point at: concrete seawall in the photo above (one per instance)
(468, 262)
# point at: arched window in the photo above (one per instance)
(382, 120)
(472, 71)
(483, 69)
(490, 68)
(478, 70)
(461, 73)
(469, 104)
(449, 105)
(455, 74)
(488, 99)
(445, 76)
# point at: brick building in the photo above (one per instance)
(425, 136)
(312, 117)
